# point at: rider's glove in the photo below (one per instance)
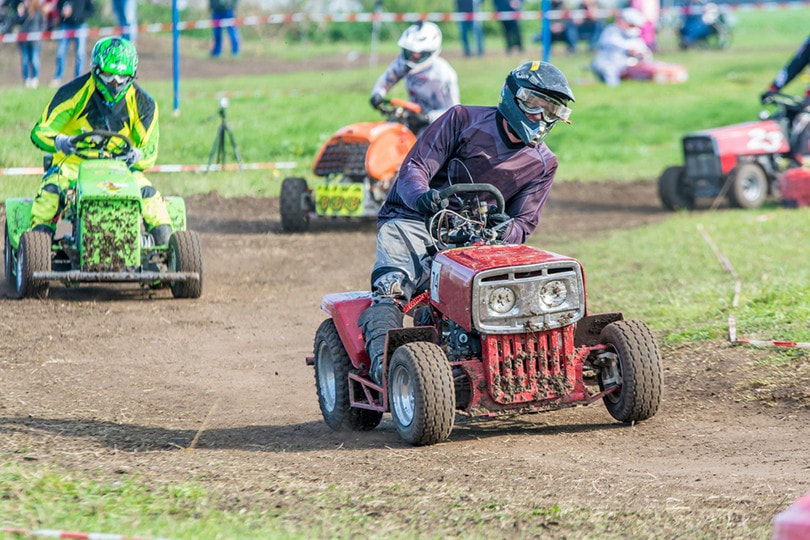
(767, 96)
(132, 157)
(418, 121)
(65, 144)
(430, 202)
(376, 99)
(499, 222)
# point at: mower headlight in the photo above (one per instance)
(553, 293)
(502, 300)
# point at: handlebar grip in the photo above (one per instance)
(475, 188)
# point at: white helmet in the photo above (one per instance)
(633, 17)
(420, 43)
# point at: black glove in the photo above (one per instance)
(767, 96)
(430, 202)
(418, 121)
(65, 144)
(498, 218)
(376, 99)
(132, 157)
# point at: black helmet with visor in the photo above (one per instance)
(537, 89)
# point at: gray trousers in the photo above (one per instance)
(401, 267)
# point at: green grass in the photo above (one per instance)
(669, 276)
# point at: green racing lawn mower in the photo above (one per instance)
(104, 239)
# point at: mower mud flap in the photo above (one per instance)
(345, 310)
(176, 206)
(590, 326)
(18, 218)
(794, 187)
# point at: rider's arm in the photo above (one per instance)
(432, 150)
(795, 66)
(526, 206)
(144, 126)
(396, 71)
(62, 113)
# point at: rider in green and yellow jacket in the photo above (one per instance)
(106, 98)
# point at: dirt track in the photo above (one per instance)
(112, 381)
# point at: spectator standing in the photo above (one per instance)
(224, 9)
(30, 18)
(126, 11)
(511, 28)
(73, 16)
(620, 46)
(474, 27)
(651, 9)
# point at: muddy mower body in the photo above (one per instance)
(104, 238)
(502, 330)
(740, 162)
(355, 168)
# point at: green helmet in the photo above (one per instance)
(114, 64)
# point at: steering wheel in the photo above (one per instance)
(466, 226)
(102, 144)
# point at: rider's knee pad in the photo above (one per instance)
(148, 191)
(393, 285)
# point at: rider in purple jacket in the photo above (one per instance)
(502, 146)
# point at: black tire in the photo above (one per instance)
(637, 370)
(33, 255)
(9, 261)
(185, 255)
(332, 366)
(749, 186)
(673, 190)
(294, 205)
(421, 394)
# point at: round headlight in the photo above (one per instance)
(502, 300)
(553, 293)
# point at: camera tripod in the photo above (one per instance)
(219, 142)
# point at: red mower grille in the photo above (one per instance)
(530, 367)
(346, 158)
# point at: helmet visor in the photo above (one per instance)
(532, 102)
(114, 79)
(415, 57)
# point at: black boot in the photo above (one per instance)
(161, 234)
(376, 321)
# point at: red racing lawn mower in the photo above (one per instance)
(502, 330)
(742, 162)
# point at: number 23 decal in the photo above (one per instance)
(767, 141)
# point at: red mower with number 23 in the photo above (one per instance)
(742, 162)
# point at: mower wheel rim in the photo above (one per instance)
(326, 377)
(402, 400)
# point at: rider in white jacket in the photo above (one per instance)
(429, 79)
(620, 46)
